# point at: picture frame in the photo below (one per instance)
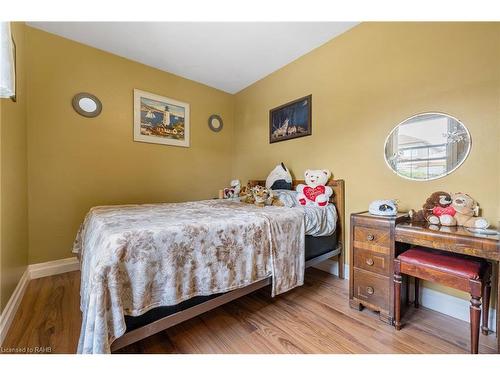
(161, 120)
(291, 120)
(14, 55)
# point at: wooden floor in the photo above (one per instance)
(315, 318)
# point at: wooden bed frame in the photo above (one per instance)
(338, 199)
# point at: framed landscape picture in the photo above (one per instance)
(290, 120)
(162, 120)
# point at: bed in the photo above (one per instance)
(146, 268)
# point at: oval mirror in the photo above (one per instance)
(215, 123)
(87, 104)
(427, 146)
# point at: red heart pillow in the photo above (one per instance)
(312, 193)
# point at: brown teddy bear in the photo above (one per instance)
(467, 211)
(436, 209)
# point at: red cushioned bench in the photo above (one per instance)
(465, 273)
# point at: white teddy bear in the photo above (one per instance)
(315, 192)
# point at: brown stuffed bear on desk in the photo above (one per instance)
(442, 208)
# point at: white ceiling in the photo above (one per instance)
(226, 55)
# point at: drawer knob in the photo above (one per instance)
(370, 237)
(369, 261)
(370, 290)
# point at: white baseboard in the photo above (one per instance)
(332, 266)
(10, 309)
(33, 271)
(429, 298)
(54, 267)
(451, 305)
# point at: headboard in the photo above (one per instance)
(338, 199)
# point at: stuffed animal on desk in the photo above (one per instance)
(315, 192)
(467, 211)
(436, 210)
(448, 210)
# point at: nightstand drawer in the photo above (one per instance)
(371, 261)
(372, 239)
(372, 288)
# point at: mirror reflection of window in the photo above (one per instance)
(427, 146)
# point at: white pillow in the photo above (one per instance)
(279, 178)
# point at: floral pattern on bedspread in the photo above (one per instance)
(137, 257)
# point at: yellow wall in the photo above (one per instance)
(13, 179)
(76, 163)
(365, 82)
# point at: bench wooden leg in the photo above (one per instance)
(397, 300)
(417, 292)
(486, 306)
(475, 317)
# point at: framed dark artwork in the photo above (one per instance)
(291, 120)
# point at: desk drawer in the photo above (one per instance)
(371, 261)
(372, 288)
(372, 239)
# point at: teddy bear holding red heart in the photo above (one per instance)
(442, 208)
(315, 192)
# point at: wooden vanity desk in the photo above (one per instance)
(373, 249)
(376, 241)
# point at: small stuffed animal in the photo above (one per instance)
(233, 191)
(315, 192)
(436, 210)
(261, 196)
(467, 211)
(246, 195)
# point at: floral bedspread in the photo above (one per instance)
(137, 257)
